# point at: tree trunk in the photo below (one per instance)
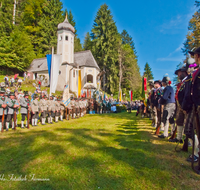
(120, 71)
(14, 11)
(104, 78)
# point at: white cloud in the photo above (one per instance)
(178, 22)
(170, 59)
(171, 56)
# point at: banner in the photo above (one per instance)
(49, 57)
(131, 95)
(120, 95)
(79, 83)
(144, 86)
(66, 96)
(55, 64)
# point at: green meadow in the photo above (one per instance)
(110, 151)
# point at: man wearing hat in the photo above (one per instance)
(157, 108)
(69, 109)
(193, 116)
(43, 109)
(35, 110)
(73, 108)
(57, 109)
(150, 99)
(62, 108)
(168, 100)
(3, 105)
(180, 114)
(12, 105)
(50, 107)
(25, 107)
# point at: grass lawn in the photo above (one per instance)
(111, 151)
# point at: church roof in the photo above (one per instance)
(85, 58)
(66, 25)
(38, 65)
(81, 59)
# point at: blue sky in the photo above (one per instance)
(157, 27)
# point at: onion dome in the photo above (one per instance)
(66, 25)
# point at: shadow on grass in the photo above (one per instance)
(130, 146)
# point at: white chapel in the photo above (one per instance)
(71, 64)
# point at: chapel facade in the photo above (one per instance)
(71, 64)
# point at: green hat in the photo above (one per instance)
(166, 80)
(36, 96)
(2, 90)
(12, 94)
(26, 93)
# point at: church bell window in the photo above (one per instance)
(66, 38)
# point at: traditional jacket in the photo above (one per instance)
(35, 106)
(24, 103)
(195, 91)
(10, 104)
(43, 105)
(2, 101)
(62, 106)
(157, 96)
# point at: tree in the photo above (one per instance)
(87, 42)
(6, 15)
(77, 42)
(127, 39)
(104, 41)
(147, 72)
(16, 51)
(193, 36)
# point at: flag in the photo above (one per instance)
(131, 95)
(55, 64)
(79, 83)
(49, 57)
(66, 96)
(120, 95)
(104, 97)
(144, 88)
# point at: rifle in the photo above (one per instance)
(15, 118)
(28, 116)
(158, 127)
(196, 115)
(2, 122)
(174, 133)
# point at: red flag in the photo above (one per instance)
(145, 84)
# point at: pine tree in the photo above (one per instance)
(6, 15)
(87, 42)
(47, 33)
(193, 36)
(147, 72)
(77, 42)
(104, 39)
(127, 39)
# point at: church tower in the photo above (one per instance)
(65, 42)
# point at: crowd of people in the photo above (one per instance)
(181, 109)
(40, 107)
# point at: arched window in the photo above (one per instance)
(89, 79)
